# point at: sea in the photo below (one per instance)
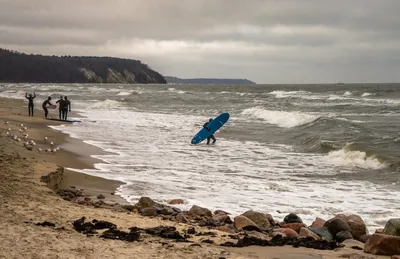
(314, 150)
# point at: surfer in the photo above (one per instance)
(30, 102)
(207, 128)
(61, 105)
(44, 106)
(67, 107)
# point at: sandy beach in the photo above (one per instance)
(25, 200)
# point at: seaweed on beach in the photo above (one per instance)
(165, 232)
(279, 241)
(116, 234)
(90, 227)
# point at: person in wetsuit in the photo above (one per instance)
(44, 106)
(30, 102)
(67, 107)
(212, 136)
(61, 108)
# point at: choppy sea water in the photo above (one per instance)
(316, 150)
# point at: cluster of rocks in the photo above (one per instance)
(260, 228)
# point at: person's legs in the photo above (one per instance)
(213, 138)
(208, 140)
(46, 112)
(60, 114)
(31, 110)
(65, 114)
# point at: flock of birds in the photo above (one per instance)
(23, 136)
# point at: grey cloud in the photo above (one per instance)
(340, 35)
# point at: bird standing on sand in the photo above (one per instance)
(51, 143)
(45, 138)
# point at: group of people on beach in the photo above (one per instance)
(64, 105)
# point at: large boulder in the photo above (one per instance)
(292, 218)
(290, 233)
(323, 233)
(306, 233)
(318, 223)
(197, 211)
(343, 235)
(146, 202)
(295, 226)
(392, 227)
(380, 244)
(242, 222)
(337, 225)
(259, 218)
(356, 224)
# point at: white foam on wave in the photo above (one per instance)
(348, 93)
(287, 94)
(280, 118)
(346, 157)
(106, 104)
(366, 94)
(13, 94)
(124, 93)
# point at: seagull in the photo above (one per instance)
(6, 122)
(25, 128)
(54, 150)
(49, 150)
(25, 137)
(9, 129)
(22, 125)
(39, 150)
(20, 130)
(57, 148)
(19, 139)
(45, 138)
(8, 133)
(51, 143)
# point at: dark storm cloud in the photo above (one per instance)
(226, 36)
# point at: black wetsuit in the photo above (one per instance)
(61, 105)
(45, 103)
(210, 137)
(30, 104)
(67, 106)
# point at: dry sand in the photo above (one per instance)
(25, 200)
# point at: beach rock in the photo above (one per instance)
(379, 231)
(148, 212)
(181, 218)
(258, 235)
(356, 224)
(381, 244)
(221, 212)
(270, 219)
(68, 194)
(352, 243)
(199, 211)
(166, 210)
(222, 218)
(128, 207)
(306, 233)
(176, 201)
(290, 233)
(101, 197)
(295, 226)
(392, 227)
(343, 235)
(292, 218)
(260, 219)
(318, 223)
(323, 233)
(81, 201)
(336, 225)
(146, 202)
(364, 238)
(242, 222)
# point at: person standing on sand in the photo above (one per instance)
(30, 102)
(44, 106)
(67, 107)
(212, 136)
(61, 108)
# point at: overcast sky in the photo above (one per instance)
(267, 41)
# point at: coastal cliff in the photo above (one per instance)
(18, 67)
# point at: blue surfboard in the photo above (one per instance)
(214, 125)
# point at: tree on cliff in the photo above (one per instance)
(19, 67)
